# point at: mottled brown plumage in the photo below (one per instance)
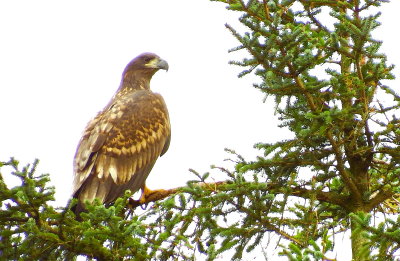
(121, 144)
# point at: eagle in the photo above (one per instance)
(120, 146)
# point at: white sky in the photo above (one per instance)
(61, 61)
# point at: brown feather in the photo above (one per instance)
(121, 144)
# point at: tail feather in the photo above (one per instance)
(107, 191)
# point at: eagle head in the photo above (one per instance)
(146, 63)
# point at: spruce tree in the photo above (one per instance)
(320, 63)
(317, 60)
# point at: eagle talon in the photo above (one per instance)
(147, 194)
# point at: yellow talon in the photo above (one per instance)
(145, 192)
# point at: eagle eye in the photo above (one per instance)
(148, 59)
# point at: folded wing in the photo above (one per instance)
(120, 146)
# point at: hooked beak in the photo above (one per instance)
(162, 64)
(158, 63)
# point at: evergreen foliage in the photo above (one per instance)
(320, 63)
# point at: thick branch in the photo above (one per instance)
(328, 197)
(342, 170)
(383, 195)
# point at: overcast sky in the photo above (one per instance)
(61, 61)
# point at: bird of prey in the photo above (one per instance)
(121, 144)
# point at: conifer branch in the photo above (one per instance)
(161, 194)
(274, 188)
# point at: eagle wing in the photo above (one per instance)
(120, 146)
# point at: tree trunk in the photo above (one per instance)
(358, 241)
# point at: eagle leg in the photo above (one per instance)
(148, 194)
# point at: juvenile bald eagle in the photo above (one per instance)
(121, 144)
